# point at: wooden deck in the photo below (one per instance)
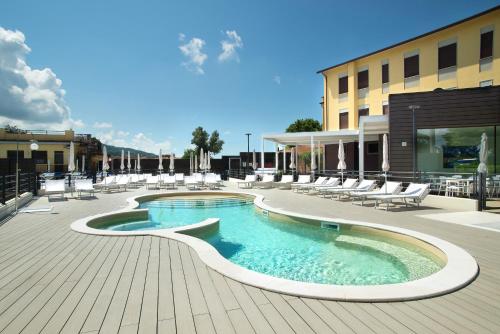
(53, 280)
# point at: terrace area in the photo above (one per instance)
(55, 280)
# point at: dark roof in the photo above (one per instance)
(414, 38)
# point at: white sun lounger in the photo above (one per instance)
(53, 187)
(152, 182)
(415, 192)
(305, 187)
(331, 182)
(211, 181)
(84, 186)
(302, 180)
(388, 188)
(179, 178)
(285, 182)
(365, 185)
(122, 182)
(247, 182)
(349, 183)
(266, 182)
(169, 181)
(191, 183)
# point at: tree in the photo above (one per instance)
(187, 153)
(304, 125)
(202, 140)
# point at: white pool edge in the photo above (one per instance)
(460, 269)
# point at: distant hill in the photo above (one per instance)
(117, 151)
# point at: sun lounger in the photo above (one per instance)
(330, 183)
(84, 186)
(152, 182)
(389, 188)
(365, 185)
(349, 183)
(266, 182)
(415, 192)
(169, 181)
(122, 182)
(179, 178)
(247, 182)
(285, 182)
(53, 187)
(191, 183)
(302, 180)
(211, 181)
(305, 187)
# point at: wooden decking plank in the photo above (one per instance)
(414, 325)
(96, 316)
(183, 316)
(387, 320)
(256, 318)
(41, 268)
(129, 329)
(221, 320)
(257, 295)
(114, 311)
(85, 284)
(21, 316)
(275, 319)
(196, 298)
(335, 323)
(240, 321)
(204, 324)
(365, 317)
(309, 316)
(64, 301)
(166, 309)
(149, 311)
(349, 319)
(225, 293)
(288, 313)
(430, 318)
(167, 326)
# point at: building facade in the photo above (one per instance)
(464, 54)
(52, 153)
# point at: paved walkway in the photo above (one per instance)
(53, 280)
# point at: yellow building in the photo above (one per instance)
(53, 149)
(464, 54)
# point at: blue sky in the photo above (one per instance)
(126, 79)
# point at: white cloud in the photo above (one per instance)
(29, 98)
(182, 37)
(226, 133)
(139, 141)
(193, 51)
(277, 79)
(102, 125)
(229, 46)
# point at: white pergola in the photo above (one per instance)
(370, 127)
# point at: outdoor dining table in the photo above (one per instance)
(459, 184)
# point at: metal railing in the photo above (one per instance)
(27, 183)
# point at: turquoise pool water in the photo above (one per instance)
(290, 248)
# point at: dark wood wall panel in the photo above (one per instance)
(438, 109)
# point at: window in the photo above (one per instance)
(486, 49)
(39, 157)
(58, 158)
(412, 69)
(447, 59)
(11, 155)
(453, 149)
(385, 77)
(343, 119)
(343, 88)
(372, 148)
(363, 83)
(385, 107)
(363, 111)
(486, 83)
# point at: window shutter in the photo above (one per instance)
(486, 44)
(447, 56)
(363, 79)
(343, 88)
(411, 66)
(385, 73)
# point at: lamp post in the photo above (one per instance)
(33, 147)
(414, 107)
(248, 151)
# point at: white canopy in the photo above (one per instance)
(160, 161)
(129, 165)
(138, 165)
(483, 155)
(122, 163)
(105, 165)
(172, 157)
(71, 163)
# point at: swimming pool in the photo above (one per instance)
(290, 248)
